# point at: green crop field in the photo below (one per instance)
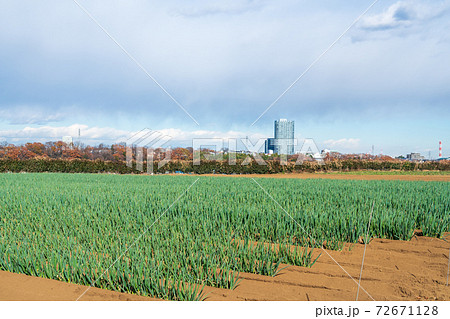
(169, 236)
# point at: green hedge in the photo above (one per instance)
(208, 167)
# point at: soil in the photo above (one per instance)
(437, 178)
(393, 270)
(28, 288)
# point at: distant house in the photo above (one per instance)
(415, 157)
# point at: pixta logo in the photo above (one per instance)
(143, 144)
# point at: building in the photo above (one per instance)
(284, 137)
(415, 157)
(269, 146)
(68, 140)
(283, 141)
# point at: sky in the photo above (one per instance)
(209, 69)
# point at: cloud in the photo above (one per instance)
(343, 144)
(181, 135)
(219, 8)
(52, 133)
(30, 115)
(107, 135)
(397, 15)
(225, 64)
(403, 14)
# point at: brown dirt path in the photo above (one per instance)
(393, 270)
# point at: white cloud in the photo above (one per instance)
(30, 114)
(403, 14)
(109, 135)
(52, 133)
(181, 135)
(343, 144)
(219, 7)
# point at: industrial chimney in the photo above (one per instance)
(440, 149)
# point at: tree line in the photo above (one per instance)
(60, 157)
(212, 167)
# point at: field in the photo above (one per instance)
(431, 176)
(393, 270)
(182, 237)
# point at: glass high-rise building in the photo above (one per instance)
(284, 137)
(269, 145)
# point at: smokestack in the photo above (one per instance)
(440, 149)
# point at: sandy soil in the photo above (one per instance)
(439, 178)
(22, 287)
(393, 270)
